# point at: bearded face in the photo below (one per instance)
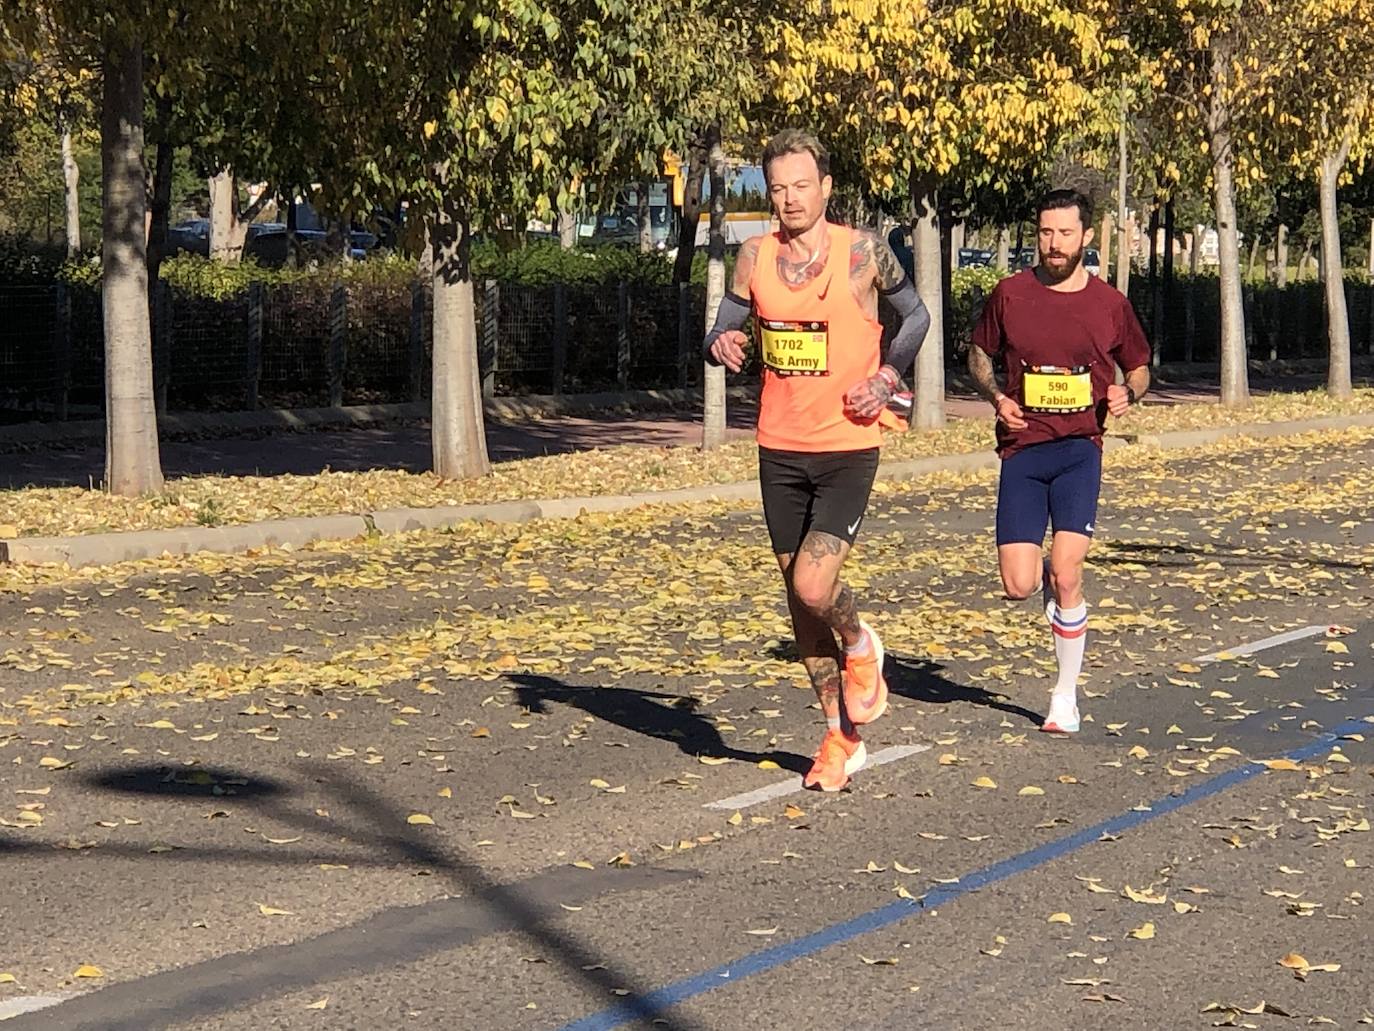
(1062, 240)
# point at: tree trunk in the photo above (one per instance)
(646, 223)
(1123, 228)
(929, 413)
(1190, 308)
(228, 233)
(691, 215)
(957, 236)
(713, 403)
(1003, 248)
(1104, 248)
(567, 230)
(161, 198)
(1333, 277)
(1305, 260)
(1250, 261)
(132, 464)
(293, 240)
(1369, 264)
(1281, 257)
(71, 178)
(458, 441)
(1235, 386)
(1156, 289)
(1170, 286)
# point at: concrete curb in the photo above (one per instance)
(109, 548)
(1198, 438)
(196, 424)
(100, 549)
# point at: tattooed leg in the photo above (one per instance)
(815, 581)
(816, 645)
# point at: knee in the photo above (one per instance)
(812, 594)
(1018, 589)
(1066, 581)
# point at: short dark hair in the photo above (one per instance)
(1057, 200)
(796, 141)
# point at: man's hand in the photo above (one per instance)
(1118, 400)
(865, 400)
(728, 349)
(1009, 412)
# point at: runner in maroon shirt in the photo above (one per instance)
(1061, 334)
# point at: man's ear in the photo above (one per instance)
(827, 184)
(1088, 237)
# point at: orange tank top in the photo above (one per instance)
(816, 344)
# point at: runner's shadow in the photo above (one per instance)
(922, 681)
(668, 717)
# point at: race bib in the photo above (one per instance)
(796, 348)
(1056, 390)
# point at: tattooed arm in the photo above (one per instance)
(874, 262)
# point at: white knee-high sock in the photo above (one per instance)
(1070, 627)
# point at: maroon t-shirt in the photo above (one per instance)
(1030, 325)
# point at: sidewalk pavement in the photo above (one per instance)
(406, 445)
(109, 548)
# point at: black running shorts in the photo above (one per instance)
(805, 491)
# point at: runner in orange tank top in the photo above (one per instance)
(813, 288)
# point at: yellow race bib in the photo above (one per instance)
(796, 348)
(1056, 390)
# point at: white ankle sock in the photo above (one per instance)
(863, 647)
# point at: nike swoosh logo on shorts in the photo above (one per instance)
(851, 529)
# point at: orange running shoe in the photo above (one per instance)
(837, 758)
(865, 687)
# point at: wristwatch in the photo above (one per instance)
(1130, 396)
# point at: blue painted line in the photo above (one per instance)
(654, 1003)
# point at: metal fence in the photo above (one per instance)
(307, 345)
(304, 345)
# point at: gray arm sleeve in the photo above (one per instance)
(901, 353)
(733, 314)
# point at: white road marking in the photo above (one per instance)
(28, 1004)
(794, 784)
(1259, 646)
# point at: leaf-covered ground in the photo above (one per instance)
(620, 470)
(200, 757)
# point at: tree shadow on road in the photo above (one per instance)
(1180, 555)
(668, 717)
(388, 940)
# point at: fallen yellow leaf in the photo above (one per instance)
(1031, 789)
(266, 910)
(1280, 764)
(419, 819)
(1144, 932)
(87, 970)
(985, 782)
(1060, 918)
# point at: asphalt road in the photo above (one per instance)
(544, 776)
